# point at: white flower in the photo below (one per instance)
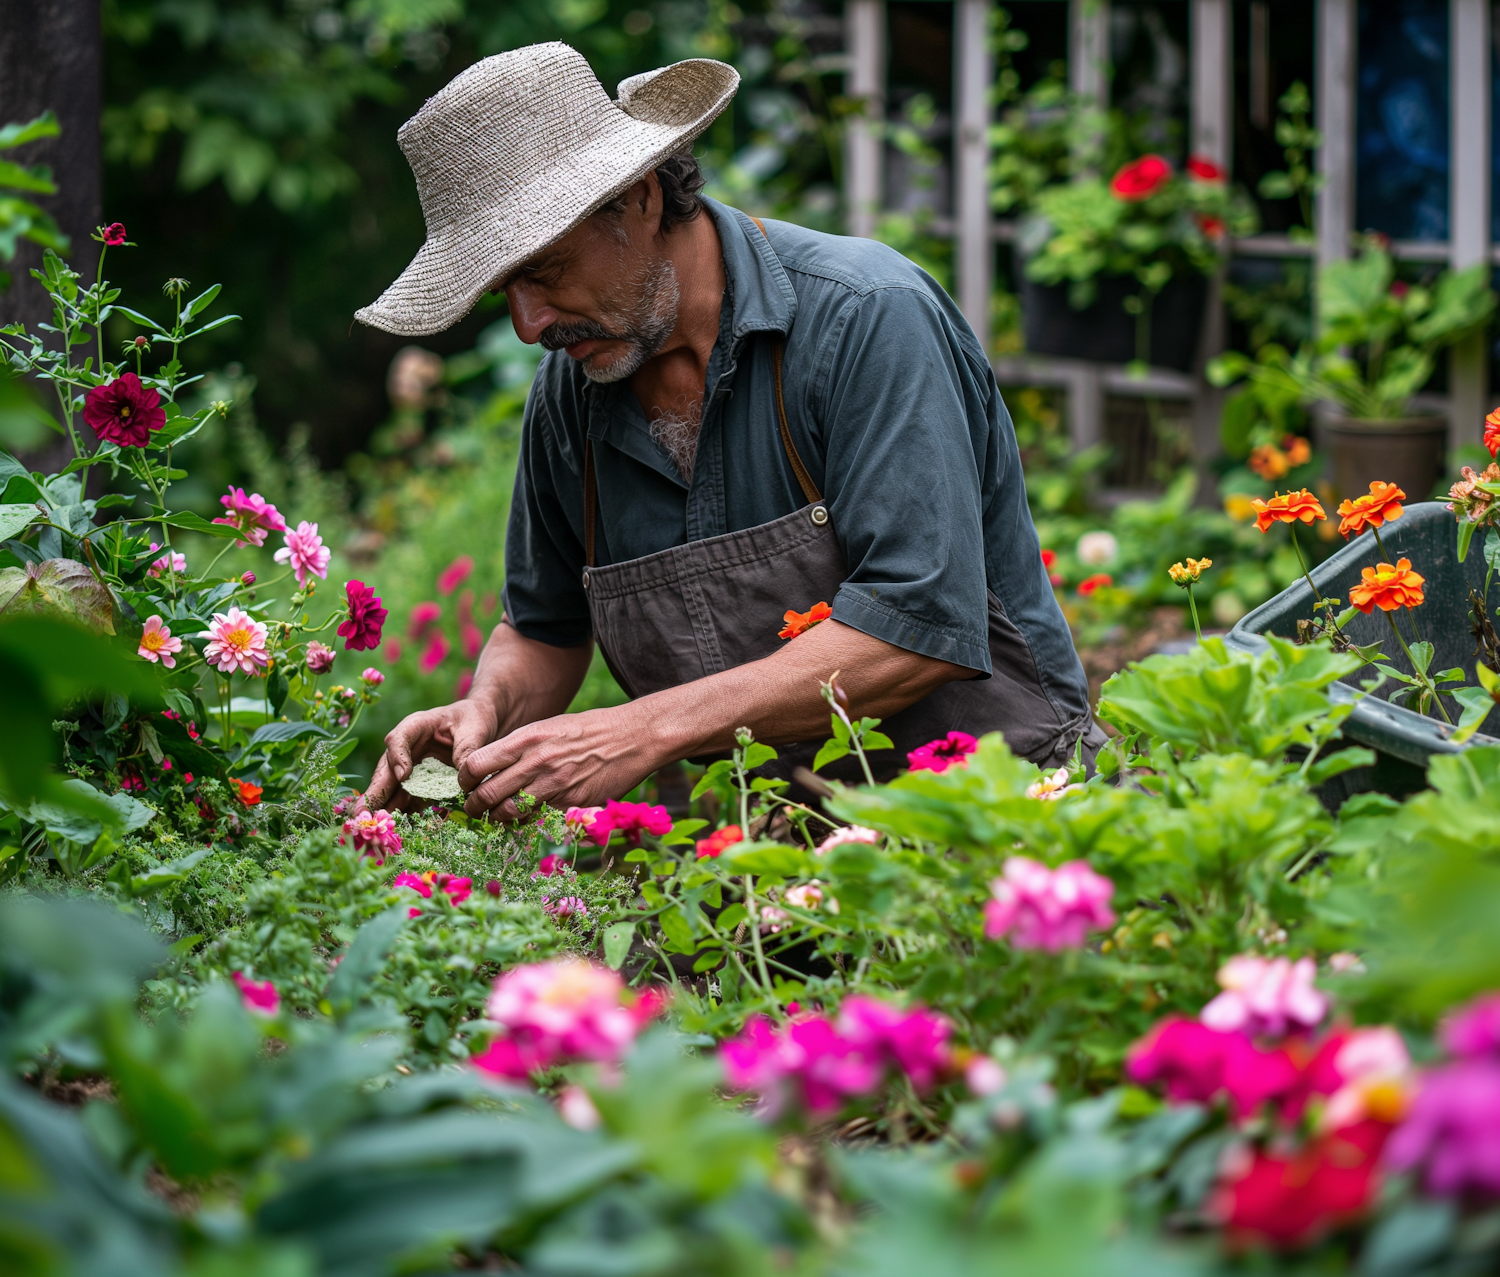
(1097, 549)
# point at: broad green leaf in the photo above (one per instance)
(364, 959)
(756, 754)
(14, 519)
(13, 135)
(831, 752)
(278, 733)
(877, 740)
(717, 773)
(618, 937)
(57, 587)
(1421, 655)
(1477, 705)
(1492, 550)
(1465, 535)
(1344, 760)
(201, 302)
(192, 523)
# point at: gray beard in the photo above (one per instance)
(642, 313)
(676, 434)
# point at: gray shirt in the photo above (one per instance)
(895, 412)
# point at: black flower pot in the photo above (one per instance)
(1105, 331)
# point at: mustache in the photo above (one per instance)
(559, 336)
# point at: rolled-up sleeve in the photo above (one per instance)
(544, 595)
(906, 419)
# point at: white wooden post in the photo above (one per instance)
(1212, 134)
(1468, 203)
(864, 46)
(1334, 107)
(1088, 49)
(973, 70)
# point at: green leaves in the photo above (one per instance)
(618, 937)
(63, 588)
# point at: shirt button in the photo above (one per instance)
(819, 515)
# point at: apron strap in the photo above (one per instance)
(804, 477)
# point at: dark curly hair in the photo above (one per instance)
(681, 179)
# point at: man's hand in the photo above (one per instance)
(449, 734)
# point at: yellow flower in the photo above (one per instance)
(1189, 574)
(1238, 506)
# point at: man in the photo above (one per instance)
(736, 420)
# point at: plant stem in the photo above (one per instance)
(1193, 608)
(1437, 698)
(1307, 576)
(760, 953)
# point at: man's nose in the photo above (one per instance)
(529, 314)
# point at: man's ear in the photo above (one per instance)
(644, 199)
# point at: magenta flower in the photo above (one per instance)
(124, 412)
(436, 653)
(630, 819)
(551, 864)
(423, 615)
(305, 551)
(319, 658)
(157, 643)
(1453, 1130)
(373, 833)
(237, 641)
(562, 1010)
(1194, 1063)
(472, 638)
(113, 234)
(951, 750)
(1051, 909)
(169, 562)
(1266, 997)
(372, 676)
(366, 617)
(455, 574)
(1473, 1030)
(566, 907)
(456, 889)
(259, 996)
(464, 685)
(846, 833)
(253, 515)
(917, 1040)
(579, 822)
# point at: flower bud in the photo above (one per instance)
(247, 578)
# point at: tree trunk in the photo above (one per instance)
(51, 58)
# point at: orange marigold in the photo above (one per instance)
(800, 622)
(1492, 432)
(1269, 462)
(1375, 509)
(1298, 451)
(1388, 588)
(1291, 508)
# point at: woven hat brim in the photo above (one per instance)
(455, 267)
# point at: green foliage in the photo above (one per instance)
(20, 217)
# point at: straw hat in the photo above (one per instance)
(515, 152)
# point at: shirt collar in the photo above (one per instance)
(762, 295)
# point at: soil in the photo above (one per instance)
(1165, 626)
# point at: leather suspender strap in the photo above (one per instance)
(804, 478)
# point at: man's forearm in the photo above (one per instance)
(523, 680)
(778, 697)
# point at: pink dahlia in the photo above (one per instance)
(951, 750)
(366, 617)
(371, 676)
(1266, 996)
(259, 996)
(171, 561)
(157, 643)
(124, 412)
(319, 657)
(1051, 909)
(305, 551)
(237, 641)
(373, 833)
(253, 515)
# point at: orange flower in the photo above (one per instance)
(1375, 509)
(1387, 588)
(1269, 462)
(1492, 432)
(1287, 509)
(1298, 451)
(248, 794)
(799, 622)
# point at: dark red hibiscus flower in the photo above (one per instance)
(124, 412)
(366, 617)
(1141, 178)
(1203, 169)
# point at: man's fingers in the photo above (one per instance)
(382, 784)
(490, 758)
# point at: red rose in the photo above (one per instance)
(1212, 227)
(113, 234)
(1141, 178)
(124, 412)
(1203, 169)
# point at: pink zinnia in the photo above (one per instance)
(952, 750)
(157, 643)
(237, 641)
(435, 655)
(423, 615)
(253, 515)
(305, 551)
(1266, 997)
(124, 412)
(1052, 909)
(372, 676)
(169, 562)
(455, 574)
(373, 833)
(366, 617)
(259, 996)
(319, 658)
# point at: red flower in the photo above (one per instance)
(113, 234)
(717, 842)
(124, 412)
(366, 616)
(1091, 583)
(1212, 227)
(246, 792)
(800, 622)
(1049, 557)
(1140, 179)
(1492, 432)
(1203, 169)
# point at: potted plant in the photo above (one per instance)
(1375, 344)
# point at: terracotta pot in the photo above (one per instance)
(1408, 451)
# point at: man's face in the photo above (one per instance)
(604, 293)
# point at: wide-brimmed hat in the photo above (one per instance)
(516, 151)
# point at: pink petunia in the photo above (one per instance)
(259, 996)
(455, 574)
(846, 834)
(1035, 907)
(1266, 996)
(952, 750)
(157, 643)
(305, 551)
(253, 515)
(237, 641)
